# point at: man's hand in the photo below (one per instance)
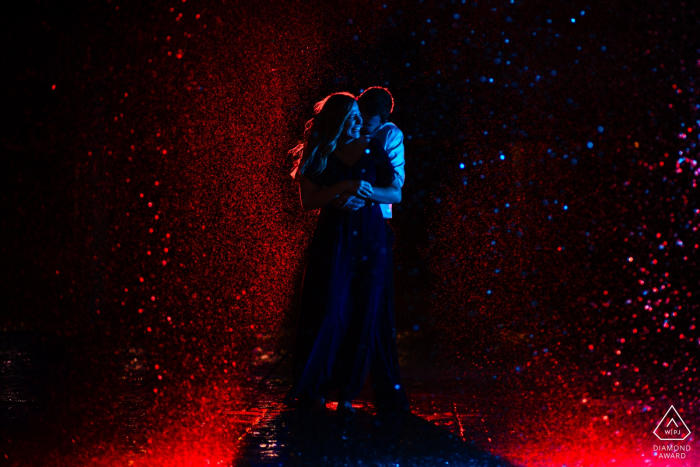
(348, 202)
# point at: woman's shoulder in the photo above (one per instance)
(311, 166)
(313, 171)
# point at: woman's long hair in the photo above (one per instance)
(321, 133)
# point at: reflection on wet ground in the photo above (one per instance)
(326, 437)
(63, 403)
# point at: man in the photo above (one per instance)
(376, 104)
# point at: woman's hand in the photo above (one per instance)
(348, 202)
(359, 188)
(314, 196)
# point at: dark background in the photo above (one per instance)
(499, 264)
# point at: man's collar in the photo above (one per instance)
(379, 129)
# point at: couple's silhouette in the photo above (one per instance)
(351, 166)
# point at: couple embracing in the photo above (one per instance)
(351, 166)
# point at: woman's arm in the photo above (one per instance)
(315, 197)
(387, 195)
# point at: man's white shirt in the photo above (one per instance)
(391, 139)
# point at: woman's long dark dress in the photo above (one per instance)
(345, 326)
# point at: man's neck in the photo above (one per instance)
(374, 133)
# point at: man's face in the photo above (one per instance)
(370, 123)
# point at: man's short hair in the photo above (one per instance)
(377, 101)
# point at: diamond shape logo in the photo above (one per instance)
(672, 427)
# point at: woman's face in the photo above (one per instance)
(353, 124)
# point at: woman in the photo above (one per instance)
(344, 327)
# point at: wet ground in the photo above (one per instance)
(64, 403)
